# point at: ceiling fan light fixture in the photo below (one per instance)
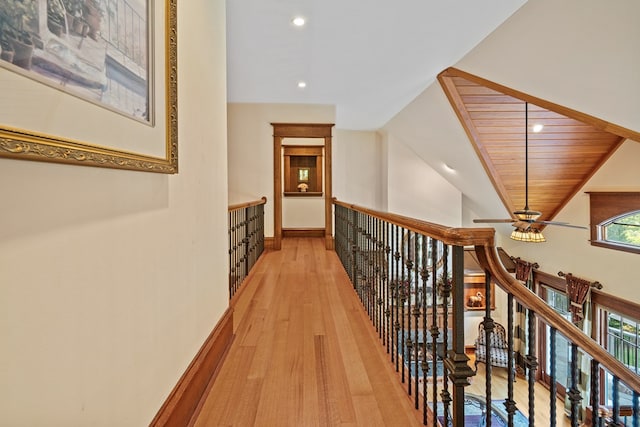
(528, 236)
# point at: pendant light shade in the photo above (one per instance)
(528, 236)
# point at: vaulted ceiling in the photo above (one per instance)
(368, 58)
(568, 150)
(371, 59)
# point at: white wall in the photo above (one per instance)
(303, 212)
(414, 189)
(110, 280)
(358, 175)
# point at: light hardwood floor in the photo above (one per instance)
(306, 354)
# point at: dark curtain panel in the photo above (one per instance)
(523, 273)
(578, 292)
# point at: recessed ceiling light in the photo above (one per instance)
(302, 85)
(298, 21)
(537, 127)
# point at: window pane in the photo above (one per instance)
(625, 229)
(623, 343)
(559, 302)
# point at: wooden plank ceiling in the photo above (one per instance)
(562, 157)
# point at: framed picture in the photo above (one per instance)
(303, 174)
(90, 82)
(474, 293)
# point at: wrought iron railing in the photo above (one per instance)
(409, 275)
(246, 240)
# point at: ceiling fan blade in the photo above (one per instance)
(562, 224)
(522, 225)
(494, 220)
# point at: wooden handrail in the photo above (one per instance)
(488, 258)
(262, 201)
(449, 235)
(483, 240)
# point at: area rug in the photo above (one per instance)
(473, 416)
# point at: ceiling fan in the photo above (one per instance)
(525, 218)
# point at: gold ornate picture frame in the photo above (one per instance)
(41, 123)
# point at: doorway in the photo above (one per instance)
(298, 168)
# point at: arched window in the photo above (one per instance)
(623, 230)
(615, 220)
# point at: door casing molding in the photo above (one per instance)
(301, 130)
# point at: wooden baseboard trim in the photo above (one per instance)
(268, 242)
(184, 399)
(303, 232)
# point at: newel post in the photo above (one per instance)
(457, 360)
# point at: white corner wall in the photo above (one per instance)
(111, 280)
(416, 190)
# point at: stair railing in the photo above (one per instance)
(409, 275)
(246, 240)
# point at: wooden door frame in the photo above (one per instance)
(301, 130)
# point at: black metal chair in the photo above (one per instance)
(499, 350)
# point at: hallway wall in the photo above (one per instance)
(357, 156)
(110, 281)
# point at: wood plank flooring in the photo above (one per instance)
(306, 354)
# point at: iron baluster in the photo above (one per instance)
(396, 309)
(446, 292)
(532, 364)
(595, 393)
(424, 274)
(416, 317)
(457, 361)
(616, 401)
(403, 296)
(435, 332)
(387, 298)
(489, 326)
(553, 390)
(509, 403)
(574, 392)
(635, 409)
(230, 215)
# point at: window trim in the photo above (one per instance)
(606, 206)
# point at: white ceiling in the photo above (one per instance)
(369, 58)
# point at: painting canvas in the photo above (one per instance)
(111, 62)
(94, 49)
